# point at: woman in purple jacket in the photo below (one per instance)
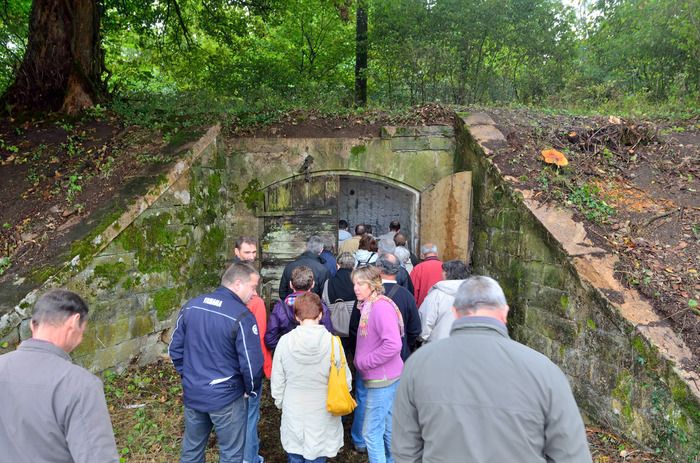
(378, 359)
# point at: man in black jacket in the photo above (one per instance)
(310, 258)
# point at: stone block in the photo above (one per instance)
(478, 119)
(441, 143)
(9, 322)
(555, 276)
(553, 300)
(433, 130)
(25, 331)
(9, 341)
(505, 241)
(534, 247)
(141, 325)
(552, 326)
(404, 131)
(409, 144)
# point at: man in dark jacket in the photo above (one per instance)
(401, 276)
(389, 267)
(216, 350)
(310, 258)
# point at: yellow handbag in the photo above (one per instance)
(339, 401)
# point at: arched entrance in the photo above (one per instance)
(303, 205)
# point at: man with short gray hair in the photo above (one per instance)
(50, 409)
(479, 396)
(311, 258)
(215, 348)
(427, 273)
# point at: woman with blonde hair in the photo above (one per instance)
(299, 385)
(378, 362)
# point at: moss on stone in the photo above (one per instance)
(86, 246)
(252, 194)
(358, 150)
(43, 273)
(164, 301)
(591, 325)
(623, 394)
(111, 272)
(648, 355)
(154, 245)
(214, 184)
(141, 325)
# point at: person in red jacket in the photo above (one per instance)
(427, 273)
(246, 250)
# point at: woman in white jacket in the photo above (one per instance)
(435, 312)
(299, 385)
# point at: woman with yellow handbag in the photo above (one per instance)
(309, 432)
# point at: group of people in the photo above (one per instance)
(433, 371)
(432, 368)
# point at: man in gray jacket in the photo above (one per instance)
(50, 409)
(479, 396)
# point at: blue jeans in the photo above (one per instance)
(230, 425)
(358, 417)
(295, 458)
(377, 426)
(252, 442)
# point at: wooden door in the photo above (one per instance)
(294, 210)
(445, 216)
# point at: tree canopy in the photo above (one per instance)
(272, 53)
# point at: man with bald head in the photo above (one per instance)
(479, 396)
(427, 273)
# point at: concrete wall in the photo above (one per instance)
(140, 262)
(562, 306)
(136, 270)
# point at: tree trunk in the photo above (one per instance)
(361, 55)
(63, 63)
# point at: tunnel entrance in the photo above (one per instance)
(377, 203)
(303, 205)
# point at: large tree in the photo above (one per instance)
(63, 63)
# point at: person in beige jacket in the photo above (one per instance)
(299, 384)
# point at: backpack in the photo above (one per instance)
(340, 313)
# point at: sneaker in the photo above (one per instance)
(359, 449)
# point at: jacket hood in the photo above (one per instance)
(448, 287)
(308, 344)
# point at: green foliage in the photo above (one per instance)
(587, 198)
(73, 187)
(7, 147)
(243, 61)
(14, 26)
(5, 263)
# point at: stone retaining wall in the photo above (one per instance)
(561, 289)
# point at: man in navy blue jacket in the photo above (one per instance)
(216, 350)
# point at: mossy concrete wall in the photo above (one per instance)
(573, 315)
(138, 264)
(138, 267)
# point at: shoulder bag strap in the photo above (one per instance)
(393, 290)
